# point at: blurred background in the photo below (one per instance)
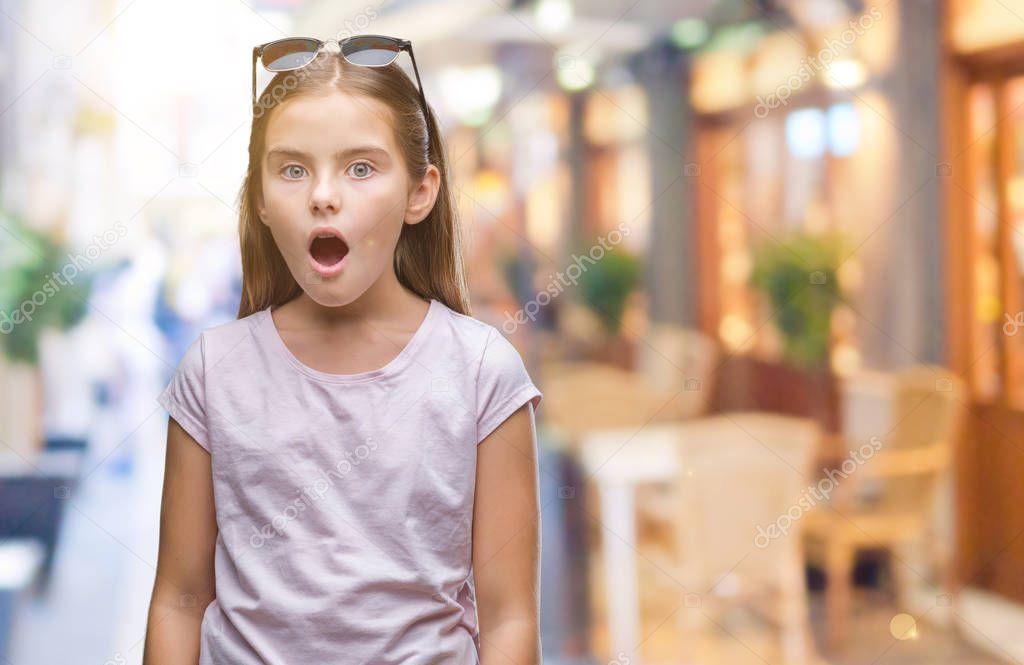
(764, 258)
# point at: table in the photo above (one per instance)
(618, 460)
(648, 457)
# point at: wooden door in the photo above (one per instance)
(985, 175)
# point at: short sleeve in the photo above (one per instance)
(184, 398)
(503, 385)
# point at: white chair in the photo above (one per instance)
(889, 500)
(740, 481)
(674, 359)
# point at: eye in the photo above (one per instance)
(361, 170)
(293, 171)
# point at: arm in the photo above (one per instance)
(506, 540)
(184, 569)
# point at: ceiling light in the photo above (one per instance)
(553, 15)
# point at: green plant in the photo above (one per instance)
(606, 284)
(799, 277)
(32, 297)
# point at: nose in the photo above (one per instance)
(324, 199)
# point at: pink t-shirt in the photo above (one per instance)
(345, 501)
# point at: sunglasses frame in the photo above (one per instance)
(401, 44)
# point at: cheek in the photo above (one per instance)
(379, 242)
(279, 194)
(379, 218)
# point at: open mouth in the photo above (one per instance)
(327, 250)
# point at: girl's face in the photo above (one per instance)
(332, 168)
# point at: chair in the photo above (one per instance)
(586, 398)
(729, 475)
(673, 382)
(673, 359)
(583, 397)
(679, 361)
(885, 492)
(739, 475)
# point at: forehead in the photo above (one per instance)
(331, 122)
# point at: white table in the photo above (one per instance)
(618, 460)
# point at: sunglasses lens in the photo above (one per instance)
(371, 51)
(289, 54)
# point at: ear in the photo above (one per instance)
(261, 208)
(423, 196)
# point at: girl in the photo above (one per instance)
(351, 471)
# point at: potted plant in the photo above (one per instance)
(799, 278)
(36, 293)
(605, 288)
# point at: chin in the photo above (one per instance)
(329, 295)
(335, 291)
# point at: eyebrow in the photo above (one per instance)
(284, 151)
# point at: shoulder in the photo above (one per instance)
(480, 340)
(466, 325)
(214, 343)
(496, 376)
(491, 360)
(218, 340)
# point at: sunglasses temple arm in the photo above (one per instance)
(419, 84)
(254, 76)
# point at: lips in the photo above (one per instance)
(327, 250)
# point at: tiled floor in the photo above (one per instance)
(741, 639)
(872, 642)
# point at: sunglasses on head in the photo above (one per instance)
(291, 53)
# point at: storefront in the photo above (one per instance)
(804, 132)
(984, 169)
(794, 141)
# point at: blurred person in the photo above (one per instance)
(122, 307)
(351, 470)
(206, 294)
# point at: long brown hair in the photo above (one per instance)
(428, 257)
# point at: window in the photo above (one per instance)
(787, 171)
(996, 240)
